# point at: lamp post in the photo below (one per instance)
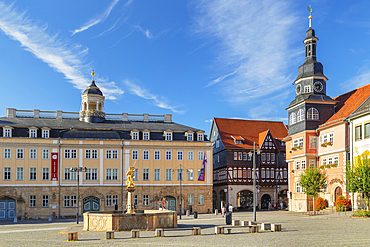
(78, 170)
(254, 178)
(180, 178)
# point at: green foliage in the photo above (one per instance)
(362, 213)
(341, 203)
(313, 181)
(358, 177)
(320, 204)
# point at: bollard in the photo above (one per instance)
(216, 211)
(195, 214)
(135, 233)
(187, 212)
(276, 227)
(50, 218)
(109, 235)
(15, 219)
(236, 222)
(253, 229)
(244, 223)
(265, 226)
(219, 230)
(196, 231)
(159, 232)
(72, 236)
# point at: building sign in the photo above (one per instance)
(54, 166)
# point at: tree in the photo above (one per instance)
(312, 180)
(358, 178)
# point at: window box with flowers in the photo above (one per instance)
(334, 165)
(297, 148)
(325, 144)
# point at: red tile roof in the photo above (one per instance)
(261, 137)
(347, 104)
(249, 129)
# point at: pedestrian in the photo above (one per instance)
(281, 205)
(231, 208)
(269, 207)
(223, 211)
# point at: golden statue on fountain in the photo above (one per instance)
(130, 189)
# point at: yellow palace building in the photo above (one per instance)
(46, 154)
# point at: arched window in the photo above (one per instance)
(300, 115)
(313, 113)
(292, 118)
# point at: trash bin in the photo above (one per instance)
(228, 218)
(195, 214)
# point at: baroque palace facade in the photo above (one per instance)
(323, 131)
(39, 148)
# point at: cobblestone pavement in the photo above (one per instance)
(297, 230)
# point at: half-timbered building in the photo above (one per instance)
(233, 143)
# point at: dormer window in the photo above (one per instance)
(238, 139)
(200, 136)
(189, 135)
(146, 136)
(7, 132)
(33, 133)
(135, 135)
(168, 136)
(45, 133)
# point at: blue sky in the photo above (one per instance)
(193, 59)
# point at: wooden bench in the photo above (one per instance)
(253, 229)
(219, 230)
(159, 232)
(236, 223)
(276, 227)
(72, 236)
(196, 231)
(265, 226)
(228, 230)
(135, 233)
(109, 235)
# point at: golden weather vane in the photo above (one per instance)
(310, 17)
(93, 74)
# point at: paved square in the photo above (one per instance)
(297, 230)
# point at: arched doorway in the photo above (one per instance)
(91, 203)
(337, 193)
(214, 196)
(265, 200)
(245, 200)
(7, 208)
(171, 203)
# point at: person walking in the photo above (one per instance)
(231, 208)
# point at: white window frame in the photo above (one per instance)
(292, 118)
(168, 136)
(33, 133)
(146, 174)
(313, 114)
(191, 155)
(91, 154)
(7, 173)
(190, 199)
(145, 200)
(70, 153)
(300, 115)
(7, 153)
(67, 202)
(45, 133)
(135, 155)
(189, 136)
(45, 173)
(168, 174)
(180, 155)
(91, 174)
(201, 199)
(168, 155)
(298, 187)
(20, 153)
(45, 154)
(200, 137)
(20, 173)
(135, 135)
(33, 153)
(200, 155)
(111, 154)
(157, 155)
(157, 174)
(146, 136)
(298, 165)
(32, 201)
(307, 89)
(190, 174)
(7, 132)
(145, 154)
(33, 173)
(303, 164)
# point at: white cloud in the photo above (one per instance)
(143, 93)
(147, 33)
(61, 56)
(97, 19)
(361, 79)
(253, 41)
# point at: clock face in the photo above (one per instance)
(318, 86)
(298, 89)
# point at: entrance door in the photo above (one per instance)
(338, 193)
(171, 203)
(91, 203)
(7, 209)
(265, 200)
(245, 200)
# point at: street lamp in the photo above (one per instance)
(180, 178)
(78, 170)
(254, 178)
